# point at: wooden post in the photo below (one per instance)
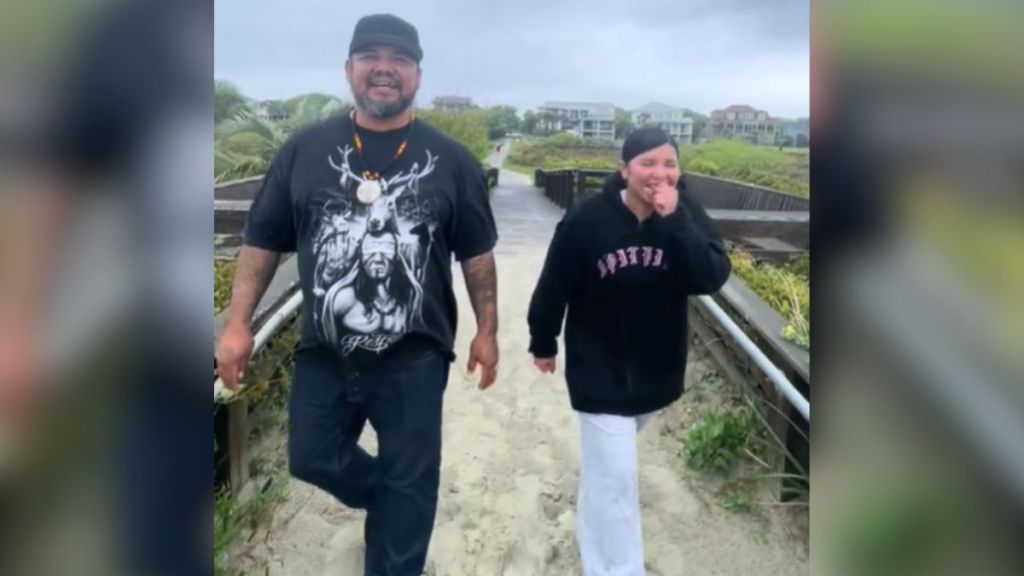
(238, 443)
(717, 347)
(580, 189)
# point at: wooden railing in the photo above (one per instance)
(771, 225)
(566, 187)
(231, 422)
(491, 176)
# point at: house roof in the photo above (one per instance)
(452, 100)
(738, 108)
(599, 109)
(658, 107)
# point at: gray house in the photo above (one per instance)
(676, 121)
(453, 103)
(590, 120)
(741, 122)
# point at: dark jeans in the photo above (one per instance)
(398, 487)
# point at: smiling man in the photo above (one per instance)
(384, 95)
(378, 322)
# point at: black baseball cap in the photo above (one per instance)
(388, 30)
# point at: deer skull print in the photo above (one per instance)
(371, 256)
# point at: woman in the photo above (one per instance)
(623, 263)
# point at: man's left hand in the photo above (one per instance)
(484, 351)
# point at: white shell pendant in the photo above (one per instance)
(368, 192)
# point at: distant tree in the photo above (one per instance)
(309, 108)
(276, 109)
(243, 147)
(501, 120)
(468, 127)
(244, 144)
(546, 118)
(228, 102)
(529, 124)
(623, 122)
(701, 126)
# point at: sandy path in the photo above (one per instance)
(510, 465)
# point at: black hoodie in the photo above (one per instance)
(625, 283)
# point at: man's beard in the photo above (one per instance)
(383, 110)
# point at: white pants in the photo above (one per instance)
(608, 503)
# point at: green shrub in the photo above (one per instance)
(787, 290)
(760, 165)
(703, 166)
(740, 499)
(718, 441)
(469, 128)
(223, 276)
(564, 151)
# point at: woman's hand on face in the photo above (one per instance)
(545, 365)
(664, 198)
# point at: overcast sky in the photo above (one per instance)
(698, 54)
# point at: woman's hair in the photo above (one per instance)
(643, 139)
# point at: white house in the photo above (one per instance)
(591, 120)
(675, 121)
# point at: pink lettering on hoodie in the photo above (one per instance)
(632, 255)
(611, 262)
(645, 256)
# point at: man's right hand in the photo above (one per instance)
(254, 269)
(232, 354)
(545, 365)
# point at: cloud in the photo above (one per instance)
(699, 54)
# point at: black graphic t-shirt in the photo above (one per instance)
(374, 272)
